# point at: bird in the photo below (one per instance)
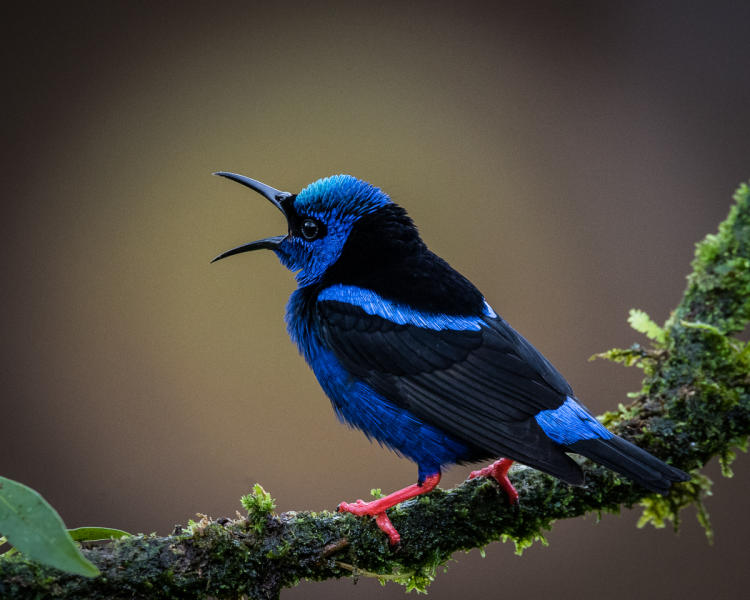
(409, 351)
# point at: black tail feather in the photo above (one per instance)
(631, 461)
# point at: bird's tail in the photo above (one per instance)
(630, 460)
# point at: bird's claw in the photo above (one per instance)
(361, 508)
(377, 508)
(499, 472)
(385, 525)
(480, 473)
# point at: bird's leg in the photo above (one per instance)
(377, 508)
(499, 472)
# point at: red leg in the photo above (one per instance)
(377, 508)
(499, 471)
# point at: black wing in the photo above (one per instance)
(482, 387)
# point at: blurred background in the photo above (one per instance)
(564, 156)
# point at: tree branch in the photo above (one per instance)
(694, 404)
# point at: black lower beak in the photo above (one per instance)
(270, 243)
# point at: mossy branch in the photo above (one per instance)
(694, 404)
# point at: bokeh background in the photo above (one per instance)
(565, 156)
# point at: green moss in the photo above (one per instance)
(695, 370)
(658, 510)
(259, 505)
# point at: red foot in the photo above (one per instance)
(377, 508)
(499, 471)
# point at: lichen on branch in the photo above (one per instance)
(694, 404)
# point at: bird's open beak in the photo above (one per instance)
(276, 197)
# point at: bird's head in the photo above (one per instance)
(320, 221)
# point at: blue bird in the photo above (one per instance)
(410, 352)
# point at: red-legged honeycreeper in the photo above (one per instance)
(410, 352)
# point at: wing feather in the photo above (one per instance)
(481, 386)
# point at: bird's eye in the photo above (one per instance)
(310, 229)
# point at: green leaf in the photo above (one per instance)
(36, 530)
(642, 323)
(91, 534)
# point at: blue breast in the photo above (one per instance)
(358, 405)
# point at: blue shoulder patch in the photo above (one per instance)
(571, 423)
(401, 314)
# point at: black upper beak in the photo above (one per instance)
(276, 197)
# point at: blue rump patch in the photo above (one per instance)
(401, 314)
(571, 423)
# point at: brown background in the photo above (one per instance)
(564, 157)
